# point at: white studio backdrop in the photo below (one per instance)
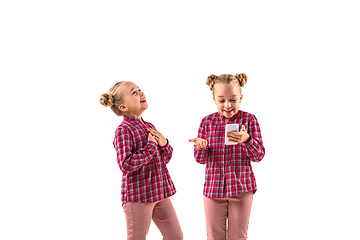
(58, 172)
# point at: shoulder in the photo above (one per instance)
(210, 117)
(123, 135)
(247, 117)
(124, 128)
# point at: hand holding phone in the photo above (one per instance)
(238, 137)
(230, 128)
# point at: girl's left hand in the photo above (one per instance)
(158, 136)
(239, 137)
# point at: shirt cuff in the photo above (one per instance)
(202, 149)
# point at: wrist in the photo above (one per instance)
(163, 145)
(248, 139)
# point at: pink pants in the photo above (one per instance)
(236, 209)
(139, 215)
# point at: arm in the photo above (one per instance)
(201, 154)
(254, 148)
(166, 152)
(131, 161)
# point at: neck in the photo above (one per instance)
(140, 119)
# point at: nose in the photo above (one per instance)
(227, 104)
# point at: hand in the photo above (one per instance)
(162, 141)
(239, 137)
(199, 142)
(152, 138)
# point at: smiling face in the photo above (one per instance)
(227, 98)
(134, 101)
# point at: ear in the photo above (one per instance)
(214, 100)
(241, 97)
(123, 108)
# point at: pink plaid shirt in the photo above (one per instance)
(143, 163)
(228, 170)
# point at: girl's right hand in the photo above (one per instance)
(199, 142)
(152, 138)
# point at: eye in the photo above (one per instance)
(233, 100)
(221, 101)
(136, 92)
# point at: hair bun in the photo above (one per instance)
(107, 100)
(242, 78)
(210, 81)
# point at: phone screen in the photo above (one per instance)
(230, 128)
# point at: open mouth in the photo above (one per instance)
(228, 111)
(143, 101)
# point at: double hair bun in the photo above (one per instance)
(241, 77)
(107, 100)
(210, 81)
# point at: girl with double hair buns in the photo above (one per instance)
(142, 155)
(229, 179)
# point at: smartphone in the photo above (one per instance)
(230, 128)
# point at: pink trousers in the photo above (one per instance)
(138, 218)
(234, 209)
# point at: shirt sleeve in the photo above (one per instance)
(128, 160)
(254, 149)
(201, 154)
(166, 152)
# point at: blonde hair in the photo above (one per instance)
(227, 79)
(113, 99)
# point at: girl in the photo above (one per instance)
(229, 179)
(142, 154)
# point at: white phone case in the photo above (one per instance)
(230, 128)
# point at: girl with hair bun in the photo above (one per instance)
(229, 179)
(142, 155)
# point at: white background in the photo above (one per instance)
(59, 178)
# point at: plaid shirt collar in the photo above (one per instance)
(132, 118)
